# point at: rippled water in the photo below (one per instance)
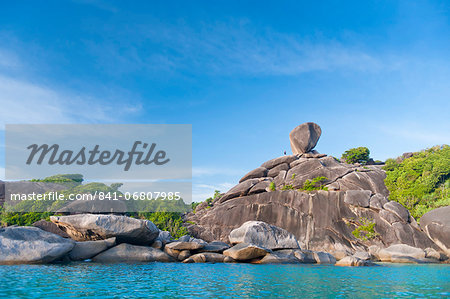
(223, 280)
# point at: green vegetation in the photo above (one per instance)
(169, 221)
(155, 210)
(70, 180)
(209, 201)
(366, 230)
(287, 187)
(356, 155)
(272, 186)
(422, 182)
(315, 184)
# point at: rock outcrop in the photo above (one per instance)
(31, 245)
(263, 234)
(436, 224)
(90, 227)
(331, 215)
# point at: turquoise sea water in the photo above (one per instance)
(223, 280)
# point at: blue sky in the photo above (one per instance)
(243, 73)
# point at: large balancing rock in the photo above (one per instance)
(304, 137)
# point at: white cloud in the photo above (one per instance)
(23, 101)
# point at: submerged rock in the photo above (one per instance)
(31, 245)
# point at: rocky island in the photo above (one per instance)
(301, 208)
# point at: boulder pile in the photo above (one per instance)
(301, 208)
(327, 205)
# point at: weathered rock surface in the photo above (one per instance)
(245, 251)
(255, 173)
(208, 257)
(88, 249)
(320, 221)
(324, 258)
(280, 257)
(304, 137)
(359, 198)
(127, 253)
(351, 261)
(31, 245)
(264, 235)
(184, 246)
(90, 227)
(401, 253)
(436, 224)
(215, 246)
(51, 228)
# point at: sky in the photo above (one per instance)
(243, 73)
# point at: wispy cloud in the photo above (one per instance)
(27, 102)
(227, 48)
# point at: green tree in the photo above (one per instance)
(356, 155)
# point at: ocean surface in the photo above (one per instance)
(222, 280)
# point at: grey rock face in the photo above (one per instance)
(304, 137)
(359, 198)
(50, 227)
(377, 201)
(436, 224)
(31, 245)
(351, 261)
(208, 257)
(255, 173)
(215, 246)
(324, 258)
(91, 227)
(276, 170)
(280, 257)
(245, 251)
(319, 221)
(239, 190)
(280, 160)
(184, 246)
(264, 235)
(401, 253)
(398, 210)
(88, 249)
(127, 253)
